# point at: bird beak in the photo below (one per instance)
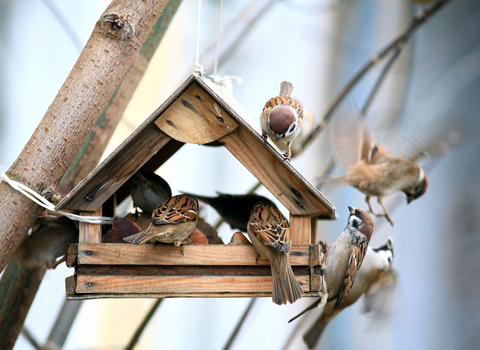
(277, 136)
(409, 200)
(351, 209)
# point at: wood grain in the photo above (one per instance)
(275, 174)
(90, 233)
(300, 229)
(178, 284)
(195, 117)
(166, 254)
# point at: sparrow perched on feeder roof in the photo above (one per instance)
(375, 279)
(269, 232)
(234, 209)
(47, 242)
(370, 168)
(282, 118)
(172, 222)
(148, 190)
(344, 258)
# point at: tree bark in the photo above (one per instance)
(109, 52)
(91, 151)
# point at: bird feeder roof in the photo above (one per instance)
(197, 112)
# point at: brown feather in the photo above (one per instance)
(176, 210)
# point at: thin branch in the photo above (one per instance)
(31, 339)
(400, 41)
(142, 325)
(237, 328)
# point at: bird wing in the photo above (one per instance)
(176, 210)
(271, 228)
(352, 141)
(354, 263)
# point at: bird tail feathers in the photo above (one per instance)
(138, 238)
(285, 287)
(286, 88)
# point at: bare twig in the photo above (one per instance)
(31, 339)
(142, 325)
(242, 319)
(398, 42)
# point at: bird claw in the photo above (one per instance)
(287, 156)
(184, 243)
(264, 137)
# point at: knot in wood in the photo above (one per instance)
(117, 27)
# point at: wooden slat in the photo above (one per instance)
(275, 174)
(317, 260)
(178, 284)
(166, 254)
(91, 296)
(300, 229)
(195, 117)
(90, 233)
(122, 163)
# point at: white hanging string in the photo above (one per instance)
(198, 66)
(34, 196)
(218, 37)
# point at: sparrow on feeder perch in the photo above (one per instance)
(269, 232)
(172, 222)
(282, 118)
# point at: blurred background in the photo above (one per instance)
(317, 45)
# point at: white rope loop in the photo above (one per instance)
(198, 66)
(34, 196)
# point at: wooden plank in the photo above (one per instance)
(70, 284)
(313, 231)
(122, 163)
(167, 254)
(91, 296)
(178, 284)
(180, 270)
(195, 117)
(90, 233)
(316, 276)
(72, 255)
(300, 229)
(276, 175)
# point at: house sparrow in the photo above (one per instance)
(148, 190)
(374, 277)
(269, 232)
(282, 118)
(233, 208)
(172, 222)
(370, 168)
(344, 258)
(47, 242)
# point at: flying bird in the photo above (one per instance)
(148, 190)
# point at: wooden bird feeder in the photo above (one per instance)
(113, 270)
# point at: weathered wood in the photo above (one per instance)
(317, 259)
(72, 255)
(195, 117)
(178, 284)
(300, 229)
(70, 284)
(313, 234)
(182, 270)
(116, 39)
(275, 174)
(105, 179)
(147, 135)
(90, 233)
(91, 296)
(167, 254)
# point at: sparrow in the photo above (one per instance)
(49, 240)
(172, 222)
(233, 208)
(344, 259)
(269, 232)
(282, 118)
(374, 277)
(370, 168)
(148, 190)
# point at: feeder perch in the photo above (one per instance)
(196, 113)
